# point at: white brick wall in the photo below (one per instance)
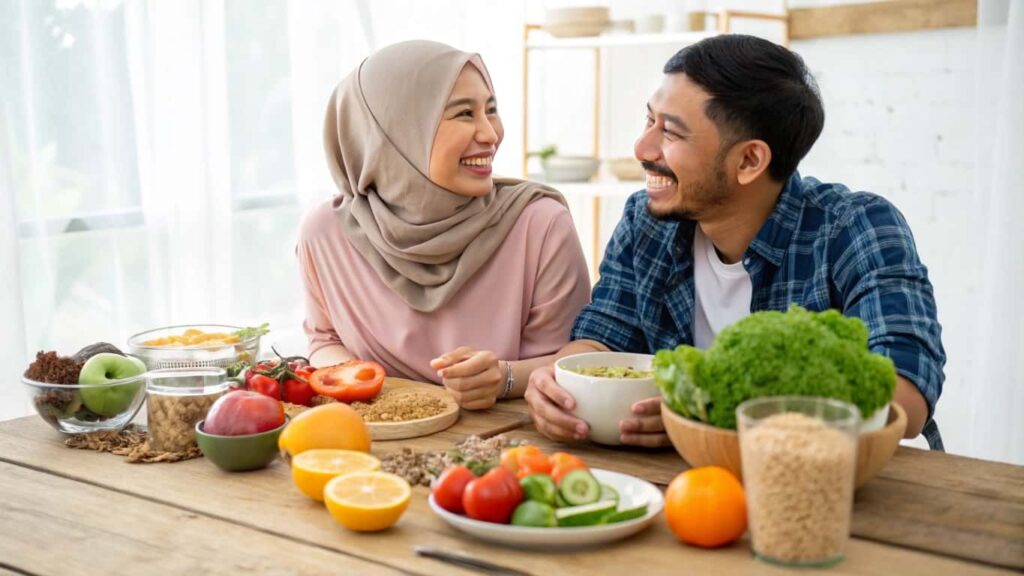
(900, 122)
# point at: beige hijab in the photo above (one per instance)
(423, 241)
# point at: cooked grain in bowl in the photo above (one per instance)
(614, 372)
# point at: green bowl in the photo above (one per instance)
(239, 453)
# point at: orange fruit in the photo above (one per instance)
(706, 507)
(367, 501)
(334, 425)
(313, 469)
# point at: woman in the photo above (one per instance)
(424, 262)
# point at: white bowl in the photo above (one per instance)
(650, 24)
(603, 402)
(876, 421)
(570, 168)
(576, 29)
(632, 492)
(626, 169)
(576, 15)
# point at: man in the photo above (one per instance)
(727, 226)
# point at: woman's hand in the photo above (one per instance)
(474, 377)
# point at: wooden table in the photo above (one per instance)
(65, 511)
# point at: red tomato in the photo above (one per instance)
(265, 385)
(562, 463)
(526, 460)
(355, 380)
(493, 497)
(450, 487)
(298, 392)
(262, 367)
(242, 412)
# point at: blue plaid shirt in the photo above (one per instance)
(822, 247)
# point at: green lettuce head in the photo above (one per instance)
(792, 353)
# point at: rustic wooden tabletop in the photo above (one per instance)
(66, 511)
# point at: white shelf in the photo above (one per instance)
(600, 189)
(547, 42)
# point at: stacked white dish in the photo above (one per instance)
(577, 21)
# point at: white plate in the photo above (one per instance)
(632, 492)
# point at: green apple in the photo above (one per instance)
(102, 369)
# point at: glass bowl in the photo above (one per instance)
(102, 407)
(215, 356)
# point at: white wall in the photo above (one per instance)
(900, 114)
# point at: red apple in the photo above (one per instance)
(242, 412)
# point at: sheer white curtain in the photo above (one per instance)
(175, 54)
(997, 398)
(12, 341)
(157, 156)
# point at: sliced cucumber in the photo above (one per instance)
(579, 487)
(609, 493)
(586, 515)
(560, 502)
(628, 514)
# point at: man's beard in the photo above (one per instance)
(697, 198)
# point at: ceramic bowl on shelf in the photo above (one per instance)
(576, 21)
(622, 27)
(701, 444)
(650, 24)
(570, 168)
(626, 169)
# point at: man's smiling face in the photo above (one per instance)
(681, 150)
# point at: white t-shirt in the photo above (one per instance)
(722, 291)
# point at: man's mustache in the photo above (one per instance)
(657, 169)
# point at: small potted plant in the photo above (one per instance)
(558, 168)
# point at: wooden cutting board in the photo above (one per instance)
(422, 426)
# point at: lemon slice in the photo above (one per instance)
(367, 501)
(313, 469)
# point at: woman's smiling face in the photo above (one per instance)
(467, 137)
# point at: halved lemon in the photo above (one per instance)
(313, 469)
(367, 501)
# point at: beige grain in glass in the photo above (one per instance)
(798, 474)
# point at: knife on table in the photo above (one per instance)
(467, 561)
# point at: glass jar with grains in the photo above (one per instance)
(177, 399)
(799, 457)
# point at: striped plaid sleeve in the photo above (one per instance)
(611, 317)
(883, 282)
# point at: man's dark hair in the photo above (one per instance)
(758, 90)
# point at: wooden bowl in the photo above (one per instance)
(874, 449)
(626, 169)
(701, 444)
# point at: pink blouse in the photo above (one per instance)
(521, 304)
